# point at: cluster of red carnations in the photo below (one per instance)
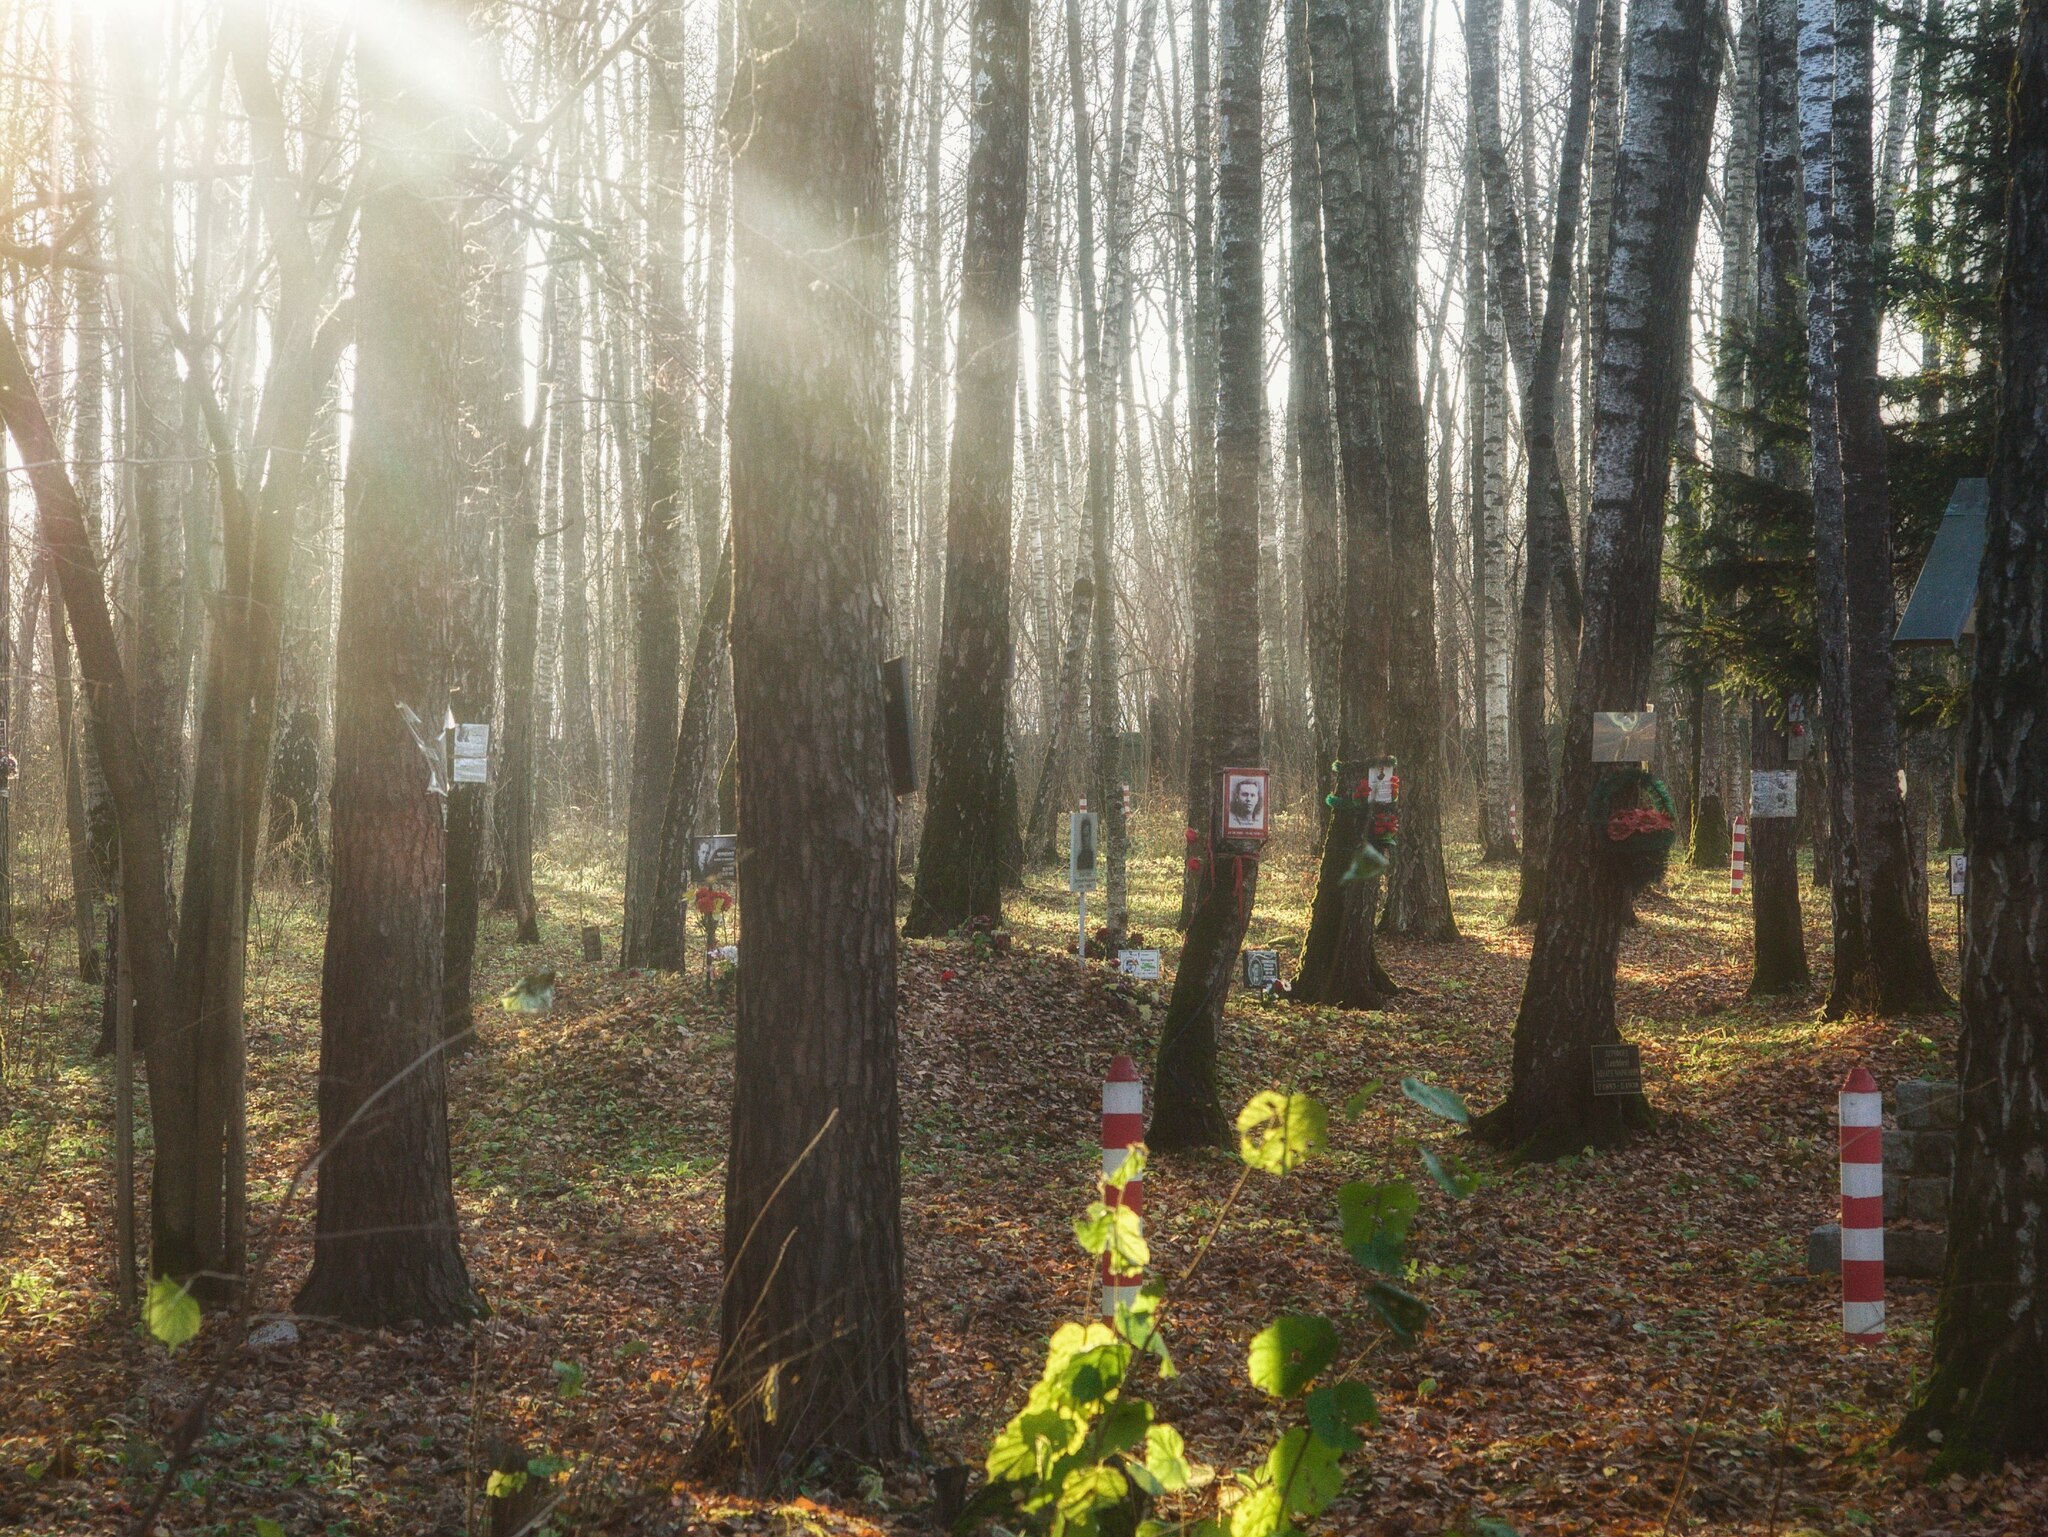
(1634, 821)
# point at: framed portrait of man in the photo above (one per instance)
(1247, 811)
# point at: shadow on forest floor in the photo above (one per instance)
(1601, 1323)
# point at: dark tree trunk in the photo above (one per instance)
(519, 547)
(1987, 1392)
(1187, 1105)
(1544, 555)
(657, 609)
(85, 882)
(494, 387)
(386, 1242)
(1308, 405)
(690, 766)
(1673, 71)
(1201, 350)
(1773, 855)
(1896, 972)
(1780, 930)
(1349, 80)
(1418, 893)
(123, 754)
(961, 859)
(812, 1356)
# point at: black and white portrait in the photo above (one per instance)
(1244, 803)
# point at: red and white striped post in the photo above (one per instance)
(1738, 856)
(1862, 1114)
(1123, 1128)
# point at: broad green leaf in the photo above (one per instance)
(1166, 1461)
(266, 1527)
(1287, 1353)
(1117, 1229)
(1334, 1411)
(1088, 1488)
(1488, 1526)
(1278, 1132)
(1437, 1101)
(1457, 1181)
(502, 1486)
(171, 1311)
(1261, 1513)
(1132, 1167)
(548, 1466)
(1202, 1528)
(1122, 1426)
(1400, 1309)
(1355, 1105)
(1304, 1469)
(1376, 1219)
(568, 1379)
(1138, 1323)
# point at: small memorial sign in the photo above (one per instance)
(1140, 965)
(472, 754)
(1261, 969)
(1084, 834)
(718, 854)
(1617, 1070)
(1774, 793)
(1958, 874)
(1624, 736)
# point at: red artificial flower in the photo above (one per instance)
(712, 900)
(948, 974)
(1631, 822)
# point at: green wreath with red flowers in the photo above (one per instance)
(1634, 824)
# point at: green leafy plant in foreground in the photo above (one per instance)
(1087, 1456)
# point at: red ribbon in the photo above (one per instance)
(1634, 821)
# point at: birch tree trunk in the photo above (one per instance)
(961, 857)
(1187, 1105)
(1672, 75)
(1987, 1392)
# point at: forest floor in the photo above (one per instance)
(1621, 1344)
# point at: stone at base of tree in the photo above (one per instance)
(1925, 1104)
(1910, 1253)
(278, 1334)
(593, 943)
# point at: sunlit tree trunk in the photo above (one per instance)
(1673, 71)
(812, 1355)
(386, 1241)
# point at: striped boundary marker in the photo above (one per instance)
(1123, 1127)
(1738, 856)
(1862, 1116)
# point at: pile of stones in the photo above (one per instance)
(1919, 1158)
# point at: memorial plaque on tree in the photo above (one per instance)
(1617, 1069)
(1261, 969)
(1624, 736)
(1774, 793)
